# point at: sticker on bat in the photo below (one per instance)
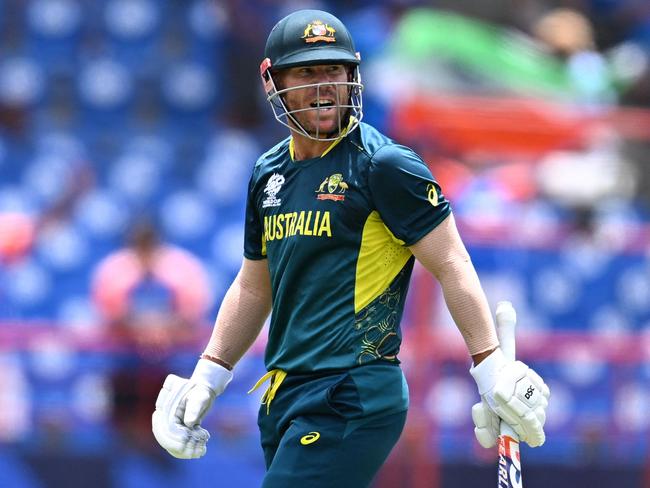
(509, 463)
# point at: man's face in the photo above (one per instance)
(324, 120)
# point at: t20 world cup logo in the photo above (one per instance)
(273, 186)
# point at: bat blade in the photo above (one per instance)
(509, 469)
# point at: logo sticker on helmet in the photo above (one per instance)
(317, 31)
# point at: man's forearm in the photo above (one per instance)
(469, 307)
(239, 321)
(443, 253)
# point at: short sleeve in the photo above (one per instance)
(404, 192)
(254, 244)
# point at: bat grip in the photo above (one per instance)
(506, 319)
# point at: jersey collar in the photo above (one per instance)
(331, 146)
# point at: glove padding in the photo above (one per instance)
(181, 406)
(168, 428)
(486, 425)
(515, 393)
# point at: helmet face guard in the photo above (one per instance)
(312, 38)
(349, 111)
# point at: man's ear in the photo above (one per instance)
(278, 78)
(350, 71)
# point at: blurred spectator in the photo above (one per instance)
(590, 176)
(565, 31)
(33, 214)
(16, 235)
(153, 296)
(570, 36)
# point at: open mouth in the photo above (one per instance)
(323, 104)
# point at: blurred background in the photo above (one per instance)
(128, 130)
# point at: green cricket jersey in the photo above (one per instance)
(335, 230)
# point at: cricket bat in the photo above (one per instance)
(509, 469)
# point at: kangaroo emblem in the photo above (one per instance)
(332, 188)
(321, 188)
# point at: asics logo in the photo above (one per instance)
(309, 438)
(529, 392)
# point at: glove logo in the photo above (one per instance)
(309, 438)
(529, 392)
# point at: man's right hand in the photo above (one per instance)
(515, 393)
(181, 406)
(486, 425)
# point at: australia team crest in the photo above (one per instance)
(332, 188)
(317, 31)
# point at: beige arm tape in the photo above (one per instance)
(242, 313)
(443, 253)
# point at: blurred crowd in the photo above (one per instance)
(128, 129)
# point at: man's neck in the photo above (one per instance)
(305, 148)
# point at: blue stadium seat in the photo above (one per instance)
(76, 312)
(29, 290)
(226, 167)
(104, 216)
(64, 249)
(14, 198)
(207, 26)
(22, 82)
(370, 27)
(134, 33)
(136, 178)
(186, 216)
(105, 91)
(228, 245)
(61, 143)
(53, 33)
(48, 177)
(189, 92)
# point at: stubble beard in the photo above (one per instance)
(311, 128)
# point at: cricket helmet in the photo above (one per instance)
(307, 38)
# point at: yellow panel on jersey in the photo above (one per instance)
(381, 257)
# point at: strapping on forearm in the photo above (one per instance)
(469, 308)
(443, 253)
(239, 322)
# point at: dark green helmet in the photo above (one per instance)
(312, 37)
(308, 37)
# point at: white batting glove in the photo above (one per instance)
(515, 393)
(181, 405)
(486, 425)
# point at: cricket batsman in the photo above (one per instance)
(336, 215)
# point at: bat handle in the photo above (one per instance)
(506, 320)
